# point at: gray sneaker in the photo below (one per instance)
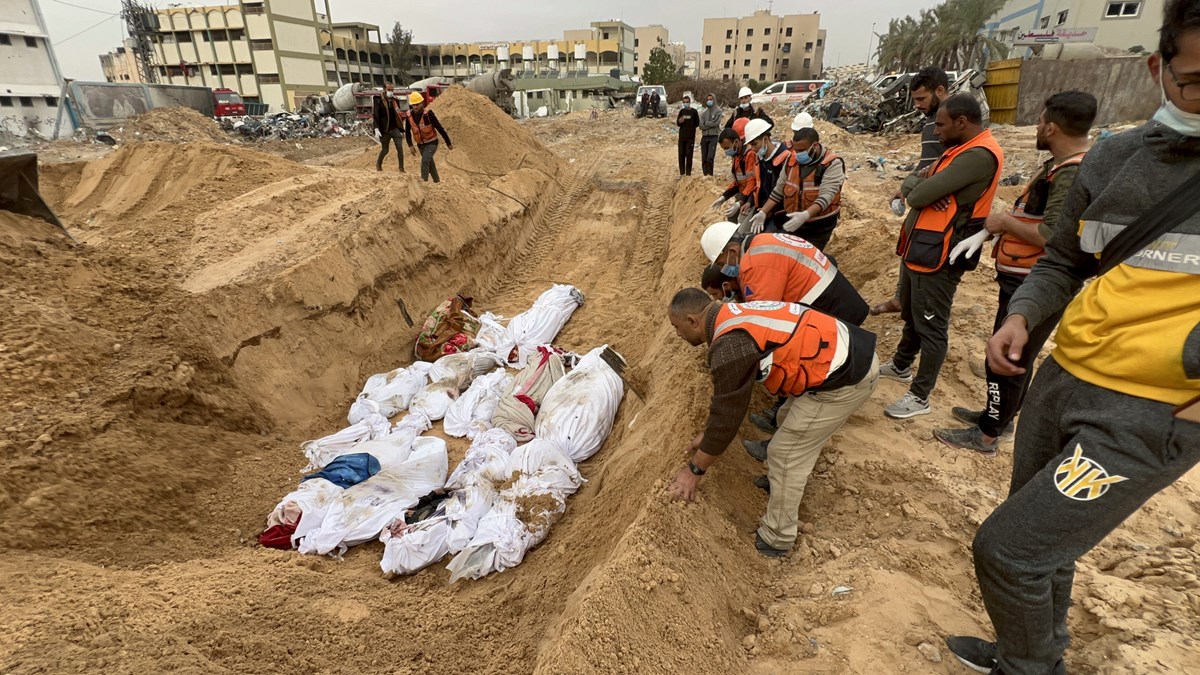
(972, 417)
(757, 449)
(890, 372)
(970, 438)
(908, 406)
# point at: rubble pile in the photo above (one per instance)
(861, 106)
(175, 125)
(285, 126)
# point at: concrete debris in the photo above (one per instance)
(860, 105)
(285, 126)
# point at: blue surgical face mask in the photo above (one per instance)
(708, 104)
(686, 106)
(732, 152)
(762, 151)
(729, 270)
(803, 157)
(1169, 114)
(730, 296)
(744, 106)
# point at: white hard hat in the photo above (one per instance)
(756, 128)
(745, 91)
(802, 121)
(716, 238)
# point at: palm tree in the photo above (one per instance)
(950, 36)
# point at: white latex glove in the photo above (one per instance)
(732, 211)
(757, 222)
(717, 203)
(378, 137)
(969, 246)
(795, 220)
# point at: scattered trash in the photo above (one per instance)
(1014, 179)
(859, 105)
(841, 591)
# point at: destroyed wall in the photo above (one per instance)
(1122, 87)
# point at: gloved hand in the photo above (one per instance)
(795, 220)
(757, 222)
(378, 137)
(970, 246)
(717, 202)
(732, 211)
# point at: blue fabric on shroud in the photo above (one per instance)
(348, 470)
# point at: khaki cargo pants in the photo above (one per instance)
(806, 423)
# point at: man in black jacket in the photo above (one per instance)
(746, 109)
(687, 121)
(391, 124)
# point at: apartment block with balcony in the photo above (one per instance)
(30, 82)
(763, 47)
(648, 38)
(120, 65)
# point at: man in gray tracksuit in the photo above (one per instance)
(710, 129)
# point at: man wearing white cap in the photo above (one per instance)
(744, 109)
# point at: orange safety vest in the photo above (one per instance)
(800, 191)
(925, 248)
(425, 131)
(745, 174)
(1017, 256)
(807, 270)
(800, 342)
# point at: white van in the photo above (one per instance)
(790, 91)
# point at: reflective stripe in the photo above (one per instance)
(1172, 252)
(825, 275)
(1094, 235)
(766, 322)
(1023, 271)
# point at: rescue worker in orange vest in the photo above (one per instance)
(770, 154)
(826, 367)
(426, 127)
(1062, 129)
(948, 205)
(809, 188)
(744, 163)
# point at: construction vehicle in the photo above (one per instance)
(228, 103)
(21, 195)
(496, 85)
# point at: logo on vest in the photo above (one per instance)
(765, 305)
(1083, 479)
(793, 240)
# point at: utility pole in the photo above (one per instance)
(869, 41)
(141, 22)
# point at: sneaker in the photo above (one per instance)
(975, 653)
(766, 549)
(757, 449)
(972, 417)
(908, 406)
(890, 372)
(762, 483)
(970, 438)
(765, 421)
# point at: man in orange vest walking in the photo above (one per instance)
(426, 127)
(1063, 130)
(949, 204)
(826, 367)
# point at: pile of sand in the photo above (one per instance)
(177, 125)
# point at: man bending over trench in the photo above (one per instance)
(826, 367)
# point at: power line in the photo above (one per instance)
(83, 7)
(96, 25)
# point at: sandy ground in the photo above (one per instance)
(225, 303)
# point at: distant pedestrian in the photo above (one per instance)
(687, 121)
(710, 130)
(426, 127)
(391, 124)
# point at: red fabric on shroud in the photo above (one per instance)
(278, 536)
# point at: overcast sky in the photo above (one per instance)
(79, 40)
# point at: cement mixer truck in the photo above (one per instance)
(496, 85)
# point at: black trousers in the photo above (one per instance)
(708, 154)
(687, 148)
(925, 301)
(1005, 394)
(1079, 470)
(394, 136)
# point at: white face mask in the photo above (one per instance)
(388, 94)
(1185, 123)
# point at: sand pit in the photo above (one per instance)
(226, 304)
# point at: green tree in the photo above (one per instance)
(400, 49)
(660, 69)
(951, 36)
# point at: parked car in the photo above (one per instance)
(643, 105)
(788, 91)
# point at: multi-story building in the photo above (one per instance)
(763, 47)
(649, 38)
(30, 82)
(270, 51)
(1118, 24)
(120, 65)
(606, 46)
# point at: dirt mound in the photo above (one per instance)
(177, 125)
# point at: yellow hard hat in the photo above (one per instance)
(415, 98)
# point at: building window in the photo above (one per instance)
(1062, 17)
(605, 35)
(728, 35)
(1044, 23)
(26, 101)
(766, 31)
(124, 77)
(237, 34)
(746, 63)
(786, 48)
(745, 76)
(227, 69)
(789, 32)
(764, 62)
(212, 69)
(785, 63)
(51, 101)
(749, 32)
(728, 49)
(5, 101)
(252, 9)
(707, 49)
(726, 63)
(246, 69)
(724, 78)
(707, 65)
(762, 77)
(747, 46)
(820, 43)
(31, 42)
(263, 45)
(808, 46)
(1122, 10)
(272, 78)
(635, 56)
(766, 47)
(185, 36)
(807, 64)
(635, 42)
